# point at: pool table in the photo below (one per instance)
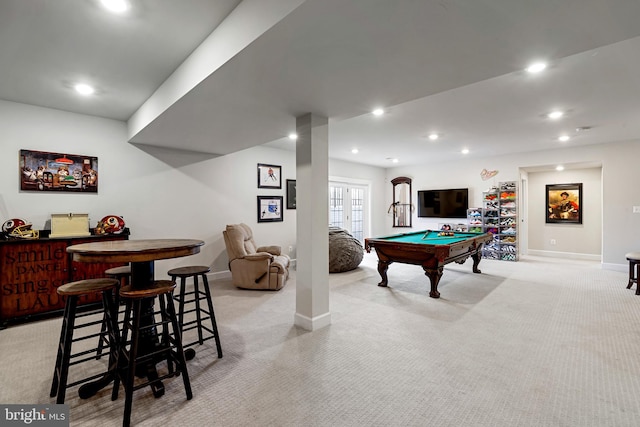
(429, 249)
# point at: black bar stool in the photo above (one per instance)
(133, 355)
(109, 331)
(193, 305)
(634, 259)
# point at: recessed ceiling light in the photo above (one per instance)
(354, 151)
(465, 151)
(433, 136)
(395, 160)
(293, 136)
(116, 6)
(555, 114)
(564, 138)
(559, 168)
(84, 89)
(378, 112)
(536, 67)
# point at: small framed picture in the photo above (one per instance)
(564, 203)
(269, 208)
(291, 194)
(269, 176)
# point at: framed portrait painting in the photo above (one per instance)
(291, 194)
(269, 176)
(564, 203)
(269, 208)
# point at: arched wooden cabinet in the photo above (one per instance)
(402, 206)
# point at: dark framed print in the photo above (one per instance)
(564, 203)
(291, 194)
(269, 208)
(269, 176)
(44, 171)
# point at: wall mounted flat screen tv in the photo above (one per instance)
(451, 203)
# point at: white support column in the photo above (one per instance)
(312, 183)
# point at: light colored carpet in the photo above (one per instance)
(540, 342)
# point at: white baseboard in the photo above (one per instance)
(312, 324)
(623, 268)
(219, 275)
(565, 255)
(226, 274)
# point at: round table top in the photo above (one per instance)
(134, 250)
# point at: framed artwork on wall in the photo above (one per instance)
(291, 194)
(269, 176)
(269, 208)
(564, 203)
(49, 172)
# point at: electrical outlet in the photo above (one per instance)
(290, 249)
(636, 209)
(553, 241)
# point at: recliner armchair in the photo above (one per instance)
(253, 267)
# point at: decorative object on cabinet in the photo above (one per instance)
(291, 194)
(500, 217)
(269, 176)
(69, 225)
(402, 206)
(32, 270)
(44, 171)
(110, 224)
(563, 203)
(269, 208)
(17, 228)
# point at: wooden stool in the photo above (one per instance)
(168, 348)
(634, 259)
(123, 275)
(201, 312)
(72, 291)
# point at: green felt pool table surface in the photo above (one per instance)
(430, 249)
(430, 237)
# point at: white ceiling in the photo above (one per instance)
(451, 66)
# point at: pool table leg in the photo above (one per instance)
(434, 277)
(382, 269)
(476, 260)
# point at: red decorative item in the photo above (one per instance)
(11, 224)
(19, 229)
(110, 224)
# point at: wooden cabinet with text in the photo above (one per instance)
(32, 270)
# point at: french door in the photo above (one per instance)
(348, 208)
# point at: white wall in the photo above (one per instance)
(373, 177)
(168, 193)
(585, 238)
(620, 227)
(160, 193)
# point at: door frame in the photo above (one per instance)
(366, 184)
